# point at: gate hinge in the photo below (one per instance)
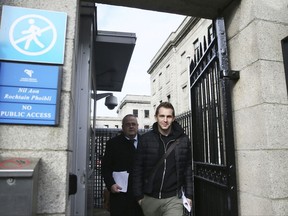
(231, 74)
(72, 184)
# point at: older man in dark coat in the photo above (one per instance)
(118, 158)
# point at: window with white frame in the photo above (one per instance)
(146, 113)
(160, 81)
(210, 32)
(167, 74)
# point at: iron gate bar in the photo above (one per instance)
(184, 120)
(212, 59)
(216, 174)
(227, 113)
(212, 127)
(102, 135)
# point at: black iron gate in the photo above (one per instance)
(215, 191)
(102, 136)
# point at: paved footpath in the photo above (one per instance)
(101, 212)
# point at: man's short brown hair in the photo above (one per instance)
(166, 105)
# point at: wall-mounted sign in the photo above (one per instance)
(29, 93)
(32, 35)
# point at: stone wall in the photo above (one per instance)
(48, 143)
(255, 30)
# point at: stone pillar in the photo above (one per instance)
(255, 29)
(49, 143)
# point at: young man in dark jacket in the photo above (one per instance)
(119, 158)
(159, 192)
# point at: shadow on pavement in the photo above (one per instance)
(101, 212)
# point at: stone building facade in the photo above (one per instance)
(169, 67)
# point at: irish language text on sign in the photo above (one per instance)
(28, 95)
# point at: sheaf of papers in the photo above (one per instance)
(121, 178)
(186, 203)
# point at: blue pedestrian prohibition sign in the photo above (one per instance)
(23, 41)
(32, 35)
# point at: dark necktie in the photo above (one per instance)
(132, 142)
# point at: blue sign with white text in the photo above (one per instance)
(27, 113)
(32, 35)
(29, 93)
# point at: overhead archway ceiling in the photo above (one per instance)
(114, 50)
(198, 8)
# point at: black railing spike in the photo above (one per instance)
(198, 54)
(201, 50)
(205, 44)
(192, 65)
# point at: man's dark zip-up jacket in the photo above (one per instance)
(174, 175)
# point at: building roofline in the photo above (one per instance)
(173, 39)
(130, 98)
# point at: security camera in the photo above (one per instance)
(111, 102)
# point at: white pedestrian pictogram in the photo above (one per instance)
(33, 33)
(23, 40)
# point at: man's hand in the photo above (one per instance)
(189, 201)
(115, 188)
(139, 202)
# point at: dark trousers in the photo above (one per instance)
(123, 204)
